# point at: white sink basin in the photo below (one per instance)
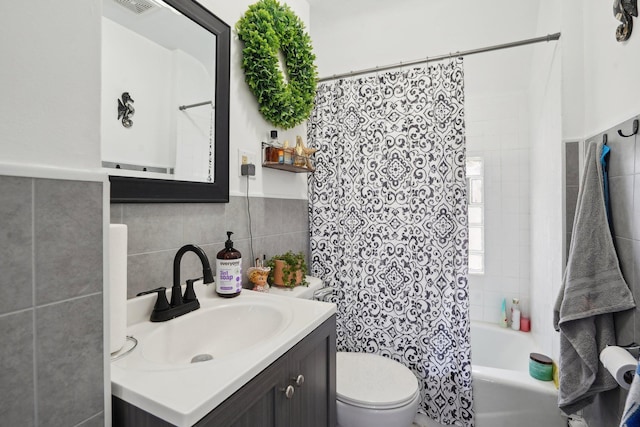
(214, 332)
(244, 335)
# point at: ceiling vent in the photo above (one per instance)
(137, 6)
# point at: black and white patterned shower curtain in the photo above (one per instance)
(388, 219)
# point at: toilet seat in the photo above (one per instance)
(374, 382)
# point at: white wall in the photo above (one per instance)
(248, 128)
(50, 83)
(600, 74)
(611, 70)
(51, 91)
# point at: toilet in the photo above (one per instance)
(372, 390)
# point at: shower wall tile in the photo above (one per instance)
(68, 257)
(277, 226)
(16, 369)
(16, 280)
(493, 132)
(51, 303)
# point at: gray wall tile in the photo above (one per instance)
(236, 218)
(95, 421)
(278, 225)
(624, 248)
(572, 200)
(153, 227)
(625, 194)
(69, 355)
(68, 239)
(636, 208)
(116, 211)
(16, 280)
(275, 217)
(17, 406)
(622, 157)
(621, 194)
(149, 271)
(204, 223)
(572, 163)
(64, 219)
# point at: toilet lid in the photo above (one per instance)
(372, 381)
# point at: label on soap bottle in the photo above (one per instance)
(228, 276)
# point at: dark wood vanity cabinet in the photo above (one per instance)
(308, 371)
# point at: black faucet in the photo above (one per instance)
(163, 310)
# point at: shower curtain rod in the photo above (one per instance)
(547, 38)
(184, 107)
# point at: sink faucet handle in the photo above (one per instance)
(161, 301)
(189, 293)
(176, 295)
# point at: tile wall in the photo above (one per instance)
(157, 231)
(624, 180)
(51, 311)
(497, 131)
(572, 186)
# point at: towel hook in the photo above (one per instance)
(605, 139)
(633, 132)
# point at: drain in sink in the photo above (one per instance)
(201, 358)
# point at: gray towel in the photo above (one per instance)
(592, 290)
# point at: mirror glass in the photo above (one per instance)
(165, 97)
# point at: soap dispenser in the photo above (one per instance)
(228, 270)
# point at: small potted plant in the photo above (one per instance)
(288, 270)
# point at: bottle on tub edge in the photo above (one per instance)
(228, 270)
(515, 314)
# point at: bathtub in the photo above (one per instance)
(504, 394)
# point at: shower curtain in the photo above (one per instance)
(388, 224)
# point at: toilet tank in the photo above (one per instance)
(305, 292)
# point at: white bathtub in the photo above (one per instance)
(504, 394)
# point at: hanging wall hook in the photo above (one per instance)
(633, 132)
(605, 139)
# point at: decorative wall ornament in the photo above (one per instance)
(624, 10)
(388, 222)
(126, 110)
(268, 30)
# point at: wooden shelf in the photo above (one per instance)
(286, 167)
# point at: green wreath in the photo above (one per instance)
(267, 29)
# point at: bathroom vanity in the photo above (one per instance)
(282, 375)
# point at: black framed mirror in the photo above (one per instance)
(141, 189)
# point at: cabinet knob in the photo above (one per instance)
(299, 380)
(288, 392)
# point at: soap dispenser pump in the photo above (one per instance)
(228, 270)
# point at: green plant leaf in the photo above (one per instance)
(267, 28)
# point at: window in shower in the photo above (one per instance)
(475, 194)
